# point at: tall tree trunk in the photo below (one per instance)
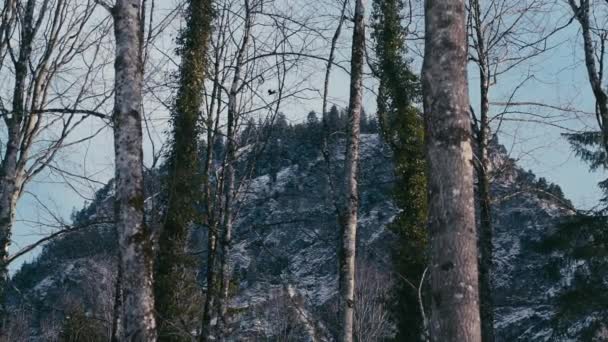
(11, 170)
(211, 219)
(210, 205)
(184, 178)
(453, 242)
(351, 191)
(482, 134)
(229, 174)
(134, 242)
(227, 224)
(485, 217)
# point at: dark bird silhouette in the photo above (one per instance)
(271, 92)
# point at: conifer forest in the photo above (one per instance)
(303, 170)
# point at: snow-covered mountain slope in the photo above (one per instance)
(284, 254)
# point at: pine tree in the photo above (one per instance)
(582, 237)
(333, 121)
(402, 128)
(312, 119)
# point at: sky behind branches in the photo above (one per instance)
(557, 78)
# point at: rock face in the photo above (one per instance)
(284, 262)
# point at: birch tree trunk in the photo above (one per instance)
(209, 202)
(41, 41)
(229, 174)
(10, 174)
(453, 242)
(133, 236)
(227, 224)
(212, 221)
(351, 193)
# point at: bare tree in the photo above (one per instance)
(229, 179)
(280, 312)
(42, 45)
(372, 295)
(350, 201)
(18, 329)
(483, 185)
(503, 34)
(452, 231)
(247, 86)
(210, 219)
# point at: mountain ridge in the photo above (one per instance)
(284, 253)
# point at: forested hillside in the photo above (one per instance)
(303, 170)
(285, 264)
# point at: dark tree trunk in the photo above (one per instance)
(116, 315)
(485, 243)
(482, 133)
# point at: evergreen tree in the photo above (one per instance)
(401, 126)
(313, 135)
(581, 244)
(333, 120)
(219, 148)
(364, 121)
(312, 119)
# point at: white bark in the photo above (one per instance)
(138, 322)
(229, 175)
(11, 172)
(351, 195)
(42, 44)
